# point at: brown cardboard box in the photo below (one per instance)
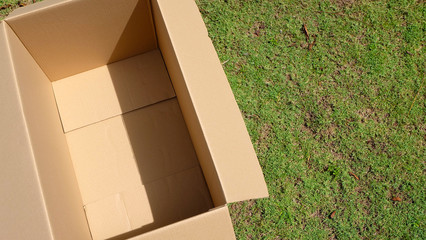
(117, 121)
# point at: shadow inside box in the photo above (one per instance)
(171, 184)
(138, 170)
(161, 166)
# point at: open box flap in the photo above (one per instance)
(23, 213)
(213, 225)
(208, 103)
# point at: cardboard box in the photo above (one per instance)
(117, 121)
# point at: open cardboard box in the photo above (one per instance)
(117, 121)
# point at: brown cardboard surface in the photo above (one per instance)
(49, 146)
(76, 36)
(138, 171)
(112, 89)
(213, 225)
(130, 150)
(150, 206)
(108, 217)
(135, 172)
(207, 103)
(187, 107)
(22, 207)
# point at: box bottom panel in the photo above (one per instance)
(138, 171)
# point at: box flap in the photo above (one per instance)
(206, 97)
(23, 213)
(110, 90)
(213, 225)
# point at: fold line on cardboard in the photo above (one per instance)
(118, 115)
(13, 30)
(87, 220)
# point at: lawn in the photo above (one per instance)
(7, 6)
(333, 95)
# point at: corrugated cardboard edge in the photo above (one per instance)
(213, 225)
(206, 97)
(22, 206)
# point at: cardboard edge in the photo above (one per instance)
(34, 7)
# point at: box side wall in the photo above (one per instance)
(207, 102)
(213, 225)
(23, 213)
(55, 170)
(187, 107)
(75, 36)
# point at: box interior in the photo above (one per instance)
(112, 145)
(137, 87)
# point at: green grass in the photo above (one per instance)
(7, 6)
(354, 103)
(348, 105)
